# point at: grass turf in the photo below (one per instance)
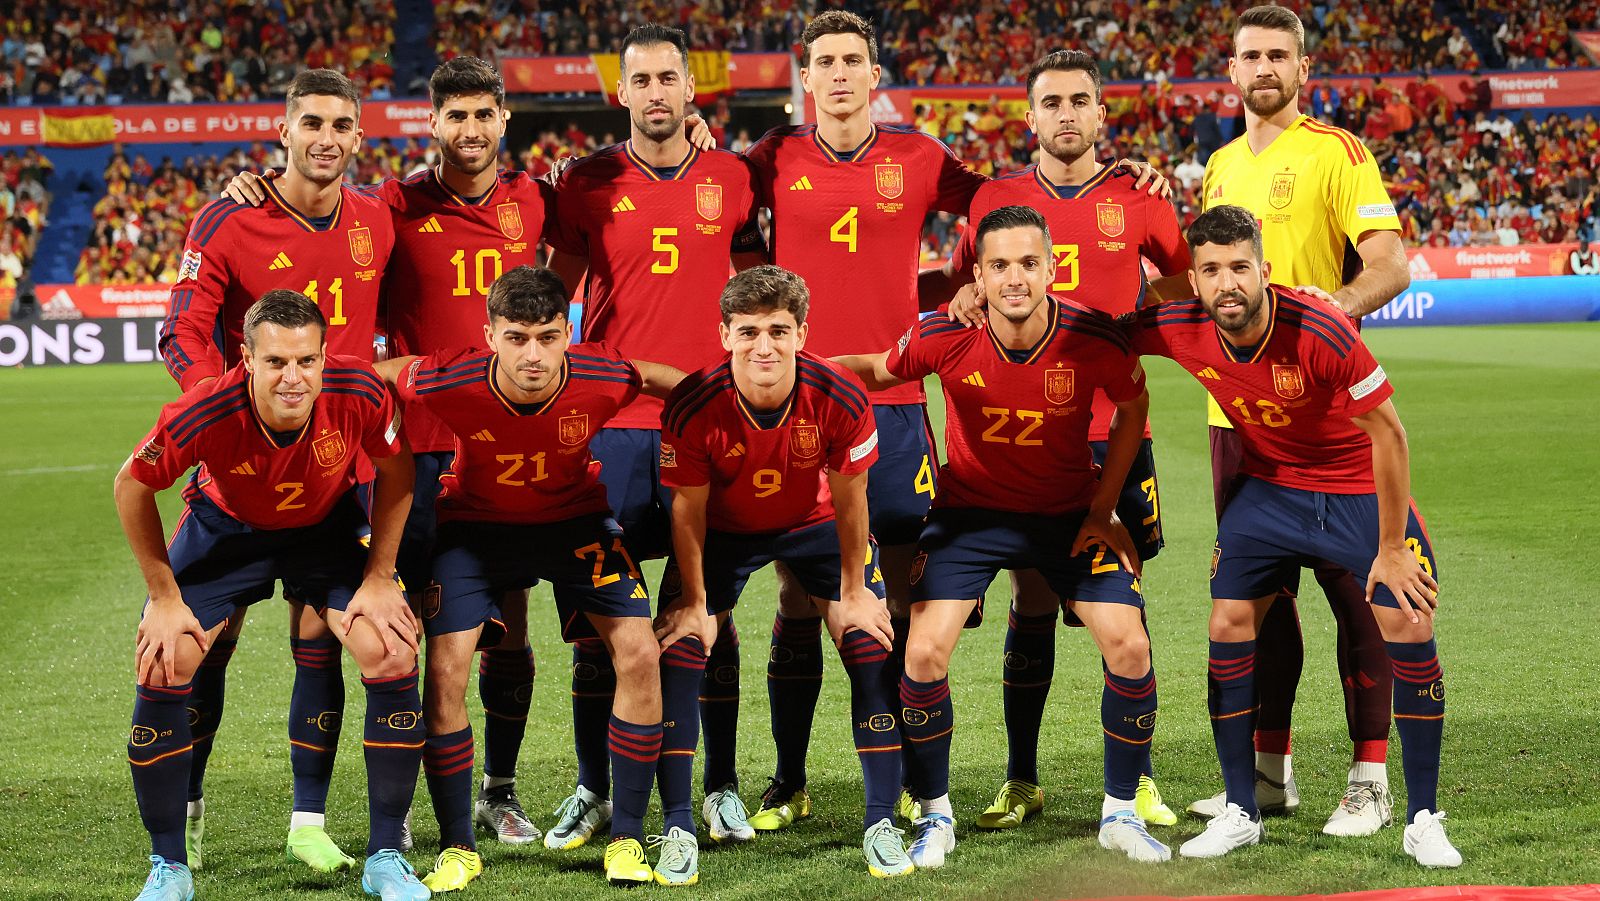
(1503, 432)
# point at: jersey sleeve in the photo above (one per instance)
(955, 182)
(188, 338)
(565, 230)
(852, 441)
(1145, 338)
(685, 461)
(1359, 199)
(381, 437)
(612, 362)
(1163, 239)
(160, 460)
(1359, 382)
(748, 238)
(911, 358)
(760, 157)
(1124, 377)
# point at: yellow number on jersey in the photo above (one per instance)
(1272, 415)
(601, 578)
(482, 272)
(1066, 267)
(1422, 559)
(1031, 420)
(514, 462)
(767, 482)
(1096, 566)
(923, 484)
(291, 492)
(844, 230)
(658, 244)
(335, 288)
(1149, 486)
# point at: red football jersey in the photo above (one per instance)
(448, 250)
(767, 471)
(267, 480)
(1292, 397)
(236, 253)
(1016, 434)
(851, 225)
(521, 463)
(659, 248)
(1100, 233)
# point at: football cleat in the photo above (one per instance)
(391, 878)
(781, 806)
(1124, 831)
(1148, 805)
(626, 863)
(907, 808)
(1425, 840)
(678, 861)
(194, 833)
(726, 818)
(1016, 802)
(1228, 831)
(578, 819)
(498, 809)
(1365, 808)
(453, 870)
(885, 851)
(935, 837)
(1271, 798)
(311, 846)
(168, 881)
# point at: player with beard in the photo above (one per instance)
(330, 242)
(1102, 230)
(1327, 226)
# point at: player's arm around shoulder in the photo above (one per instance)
(658, 379)
(871, 369)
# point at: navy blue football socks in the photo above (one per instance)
(634, 750)
(872, 720)
(447, 763)
(719, 710)
(1128, 718)
(682, 668)
(1027, 667)
(794, 681)
(594, 686)
(392, 739)
(1231, 696)
(1419, 717)
(316, 712)
(159, 753)
(505, 685)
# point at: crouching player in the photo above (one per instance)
(767, 455)
(277, 440)
(1326, 475)
(1020, 480)
(522, 502)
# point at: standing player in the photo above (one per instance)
(1317, 194)
(279, 440)
(330, 242)
(1102, 229)
(767, 455)
(521, 502)
(657, 224)
(1019, 481)
(1325, 474)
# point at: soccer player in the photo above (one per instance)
(458, 225)
(1325, 474)
(1102, 229)
(522, 501)
(767, 454)
(657, 224)
(1020, 479)
(279, 440)
(1324, 214)
(331, 243)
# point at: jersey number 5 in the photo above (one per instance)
(660, 244)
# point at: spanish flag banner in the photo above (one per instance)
(67, 127)
(710, 69)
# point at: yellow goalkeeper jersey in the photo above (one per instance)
(1315, 190)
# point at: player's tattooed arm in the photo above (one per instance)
(379, 598)
(658, 379)
(247, 187)
(1158, 186)
(166, 619)
(858, 607)
(686, 617)
(1101, 526)
(1395, 566)
(872, 369)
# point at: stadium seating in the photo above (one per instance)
(24, 210)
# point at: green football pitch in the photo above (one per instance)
(1504, 428)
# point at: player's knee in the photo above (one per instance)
(1128, 654)
(636, 657)
(1232, 621)
(380, 664)
(926, 659)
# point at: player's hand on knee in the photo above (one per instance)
(1158, 186)
(967, 307)
(859, 608)
(1106, 529)
(686, 618)
(248, 187)
(1397, 569)
(699, 132)
(381, 602)
(162, 629)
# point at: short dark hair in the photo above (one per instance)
(651, 33)
(765, 289)
(1225, 225)
(284, 308)
(1066, 61)
(838, 21)
(323, 82)
(466, 76)
(528, 294)
(1275, 18)
(1010, 217)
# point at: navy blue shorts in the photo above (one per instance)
(902, 483)
(220, 563)
(962, 549)
(1268, 531)
(1139, 508)
(582, 558)
(416, 542)
(812, 554)
(630, 468)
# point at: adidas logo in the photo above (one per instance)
(243, 469)
(975, 380)
(1209, 373)
(431, 227)
(482, 436)
(884, 110)
(804, 184)
(281, 261)
(625, 205)
(639, 592)
(736, 451)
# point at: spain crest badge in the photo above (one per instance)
(708, 201)
(805, 440)
(1287, 381)
(1281, 190)
(1108, 216)
(510, 219)
(1059, 385)
(889, 179)
(573, 429)
(361, 245)
(330, 449)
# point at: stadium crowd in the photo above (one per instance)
(24, 209)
